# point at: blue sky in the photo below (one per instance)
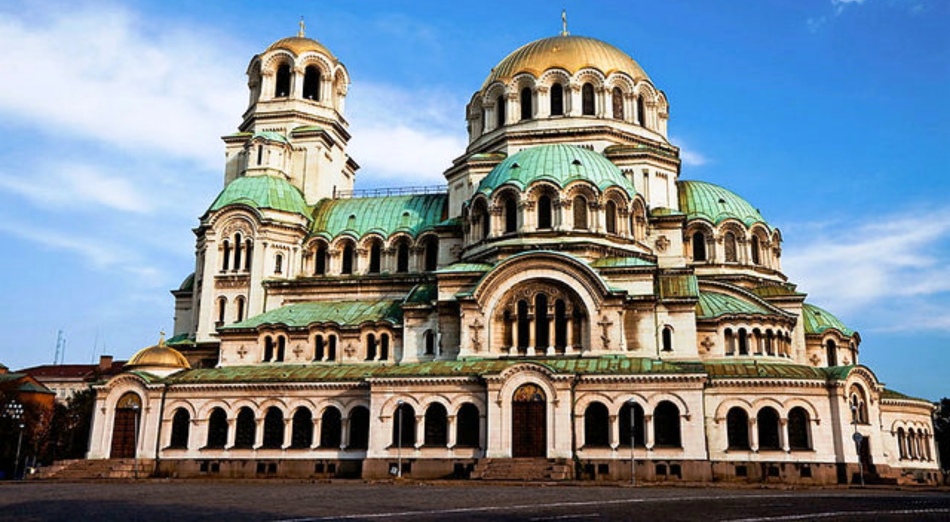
(831, 116)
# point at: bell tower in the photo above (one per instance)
(294, 127)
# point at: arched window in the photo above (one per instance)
(260, 154)
(798, 436)
(273, 428)
(226, 255)
(526, 109)
(666, 423)
(281, 346)
(544, 212)
(610, 217)
(319, 348)
(557, 100)
(430, 248)
(429, 338)
(402, 257)
(730, 342)
(729, 243)
(320, 261)
(278, 263)
(768, 425)
(268, 349)
(901, 443)
(348, 262)
(755, 250)
(743, 342)
(384, 347)
(370, 347)
(831, 352)
(858, 404)
(180, 423)
(359, 428)
(641, 117)
(769, 342)
(542, 334)
(560, 325)
(375, 257)
(239, 304)
(311, 83)
(222, 310)
(467, 426)
(248, 253)
(596, 426)
(331, 425)
(579, 206)
(331, 348)
(282, 86)
(500, 111)
(616, 101)
(911, 444)
(524, 326)
(217, 429)
(436, 425)
(737, 429)
(405, 418)
(301, 431)
(511, 213)
(667, 338)
(699, 246)
(587, 99)
(237, 251)
(638, 425)
(245, 429)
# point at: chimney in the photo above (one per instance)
(105, 362)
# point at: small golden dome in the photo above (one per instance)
(571, 53)
(299, 45)
(158, 356)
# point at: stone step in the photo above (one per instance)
(522, 469)
(97, 468)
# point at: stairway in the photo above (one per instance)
(95, 469)
(523, 469)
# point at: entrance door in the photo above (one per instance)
(125, 427)
(529, 422)
(864, 453)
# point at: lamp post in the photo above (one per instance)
(135, 444)
(633, 426)
(857, 437)
(14, 411)
(399, 404)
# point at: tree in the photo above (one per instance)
(942, 432)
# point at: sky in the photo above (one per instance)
(830, 116)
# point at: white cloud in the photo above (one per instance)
(68, 185)
(689, 155)
(895, 262)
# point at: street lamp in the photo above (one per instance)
(633, 426)
(399, 404)
(135, 444)
(857, 437)
(14, 411)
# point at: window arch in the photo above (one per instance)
(239, 303)
(901, 443)
(429, 342)
(467, 426)
(311, 83)
(268, 349)
(217, 429)
(349, 261)
(320, 259)
(610, 217)
(430, 247)
(225, 255)
(237, 251)
(587, 99)
(616, 101)
(526, 108)
(500, 111)
(180, 424)
(756, 256)
(737, 428)
(667, 338)
(359, 428)
(370, 347)
(666, 423)
(798, 429)
(743, 342)
(278, 263)
(596, 426)
(245, 429)
(557, 100)
(436, 425)
(384, 347)
(319, 347)
(222, 310)
(730, 341)
(831, 352)
(641, 117)
(282, 85)
(729, 244)
(404, 416)
(375, 257)
(699, 246)
(331, 424)
(511, 213)
(579, 208)
(545, 213)
(858, 405)
(301, 431)
(402, 256)
(273, 428)
(639, 425)
(524, 326)
(767, 422)
(248, 253)
(542, 332)
(281, 346)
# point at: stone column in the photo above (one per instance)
(420, 431)
(532, 318)
(288, 432)
(648, 429)
(258, 432)
(551, 332)
(614, 432)
(783, 435)
(753, 435)
(452, 435)
(344, 433)
(315, 442)
(232, 432)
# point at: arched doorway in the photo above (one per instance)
(529, 422)
(125, 426)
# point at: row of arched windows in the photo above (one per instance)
(435, 426)
(373, 257)
(914, 444)
(768, 429)
(665, 423)
(556, 104)
(377, 346)
(284, 79)
(239, 309)
(733, 250)
(742, 342)
(542, 325)
(236, 253)
(831, 353)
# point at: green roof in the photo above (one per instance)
(343, 313)
(701, 200)
(896, 395)
(776, 290)
(817, 321)
(464, 267)
(188, 284)
(271, 136)
(714, 304)
(621, 262)
(559, 164)
(677, 286)
(739, 370)
(423, 294)
(384, 215)
(262, 192)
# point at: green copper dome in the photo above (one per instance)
(262, 192)
(715, 304)
(713, 203)
(384, 215)
(817, 321)
(559, 164)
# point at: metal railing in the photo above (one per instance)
(392, 191)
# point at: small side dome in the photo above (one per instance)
(188, 284)
(818, 320)
(262, 192)
(699, 199)
(558, 163)
(159, 359)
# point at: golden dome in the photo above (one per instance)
(571, 53)
(158, 356)
(300, 45)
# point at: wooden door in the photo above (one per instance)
(123, 433)
(529, 422)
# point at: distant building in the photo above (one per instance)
(21, 388)
(565, 297)
(67, 379)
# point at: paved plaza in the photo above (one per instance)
(309, 501)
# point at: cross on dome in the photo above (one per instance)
(564, 31)
(303, 27)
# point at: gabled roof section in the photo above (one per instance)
(677, 286)
(818, 320)
(714, 304)
(262, 192)
(342, 313)
(716, 204)
(387, 215)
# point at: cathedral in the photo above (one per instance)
(566, 306)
